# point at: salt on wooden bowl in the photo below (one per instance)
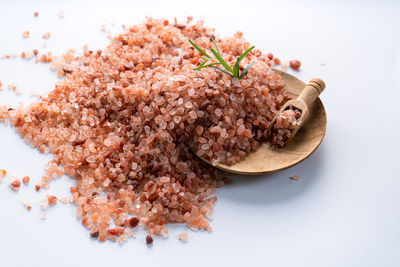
(307, 139)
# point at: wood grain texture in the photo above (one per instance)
(305, 142)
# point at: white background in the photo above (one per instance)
(344, 210)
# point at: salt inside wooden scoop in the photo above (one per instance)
(121, 121)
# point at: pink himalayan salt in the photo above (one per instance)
(183, 237)
(123, 130)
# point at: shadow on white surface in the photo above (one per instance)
(277, 187)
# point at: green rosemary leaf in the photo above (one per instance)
(199, 49)
(209, 65)
(222, 61)
(242, 56)
(236, 69)
(245, 70)
(224, 71)
(212, 64)
(204, 62)
(212, 39)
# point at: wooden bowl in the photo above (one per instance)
(305, 142)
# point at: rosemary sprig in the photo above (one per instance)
(218, 60)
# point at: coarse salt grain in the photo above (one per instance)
(46, 35)
(15, 183)
(52, 200)
(26, 179)
(295, 64)
(183, 237)
(26, 34)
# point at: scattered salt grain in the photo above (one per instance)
(46, 35)
(52, 200)
(26, 179)
(295, 177)
(149, 240)
(26, 34)
(15, 183)
(295, 64)
(183, 237)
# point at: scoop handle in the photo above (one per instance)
(312, 90)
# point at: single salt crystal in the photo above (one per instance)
(134, 166)
(171, 125)
(150, 139)
(107, 142)
(191, 92)
(180, 101)
(183, 237)
(79, 212)
(295, 177)
(188, 105)
(209, 213)
(163, 125)
(106, 182)
(72, 138)
(164, 232)
(164, 179)
(205, 147)
(177, 119)
(193, 114)
(218, 112)
(215, 129)
(91, 159)
(121, 178)
(241, 129)
(199, 130)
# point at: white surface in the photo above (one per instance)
(344, 210)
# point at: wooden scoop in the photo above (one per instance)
(307, 97)
(307, 139)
